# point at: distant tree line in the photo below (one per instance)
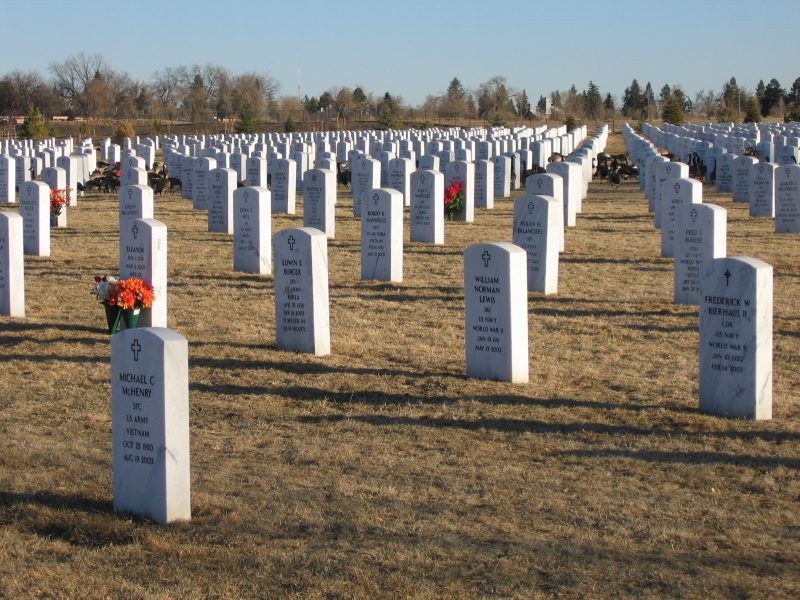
(87, 87)
(731, 103)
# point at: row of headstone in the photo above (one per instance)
(21, 162)
(734, 294)
(476, 143)
(441, 146)
(779, 143)
(770, 188)
(427, 224)
(551, 203)
(150, 376)
(150, 440)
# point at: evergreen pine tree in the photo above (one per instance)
(672, 110)
(247, 122)
(33, 127)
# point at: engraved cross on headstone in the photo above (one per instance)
(486, 258)
(135, 231)
(727, 274)
(136, 347)
(375, 198)
(290, 241)
(693, 215)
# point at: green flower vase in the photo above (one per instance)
(131, 317)
(112, 317)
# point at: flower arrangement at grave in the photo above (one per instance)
(123, 299)
(453, 199)
(58, 200)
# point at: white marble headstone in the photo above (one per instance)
(135, 202)
(676, 193)
(382, 235)
(399, 177)
(700, 237)
(496, 312)
(502, 176)
(535, 226)
(384, 157)
(736, 339)
(143, 254)
(549, 184)
(221, 185)
(12, 265)
(150, 424)
(651, 182)
(70, 166)
(202, 167)
(238, 163)
(429, 162)
(762, 189)
(186, 176)
(8, 179)
(743, 167)
(787, 199)
(34, 206)
(256, 172)
(319, 201)
(55, 178)
(484, 184)
(301, 163)
(725, 172)
(252, 230)
(134, 176)
(284, 186)
(459, 170)
(301, 291)
(664, 171)
(23, 166)
(572, 179)
(366, 177)
(427, 206)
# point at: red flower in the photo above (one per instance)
(453, 198)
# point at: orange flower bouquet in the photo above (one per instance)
(123, 299)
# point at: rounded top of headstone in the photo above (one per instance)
(147, 333)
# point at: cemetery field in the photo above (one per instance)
(381, 470)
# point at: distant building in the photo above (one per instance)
(548, 106)
(544, 109)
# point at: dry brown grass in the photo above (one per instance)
(381, 471)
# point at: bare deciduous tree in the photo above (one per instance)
(73, 76)
(166, 90)
(706, 103)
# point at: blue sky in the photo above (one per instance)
(413, 48)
